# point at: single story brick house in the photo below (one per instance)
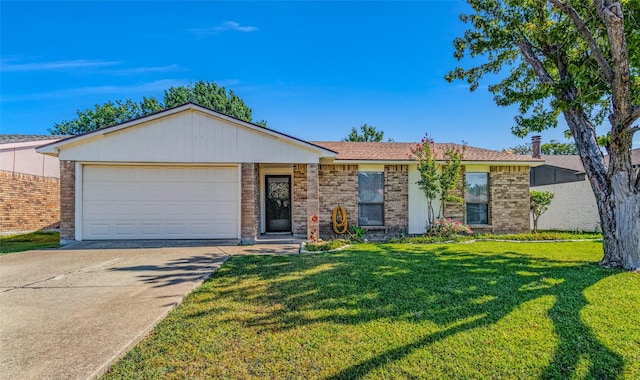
(193, 173)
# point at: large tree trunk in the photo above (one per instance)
(620, 222)
(614, 187)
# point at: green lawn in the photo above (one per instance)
(486, 310)
(26, 242)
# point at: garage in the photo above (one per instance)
(160, 202)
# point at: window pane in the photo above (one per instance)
(370, 187)
(371, 215)
(477, 186)
(477, 213)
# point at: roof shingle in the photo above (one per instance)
(397, 151)
(10, 139)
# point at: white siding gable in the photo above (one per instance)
(190, 136)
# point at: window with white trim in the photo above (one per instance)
(370, 198)
(476, 198)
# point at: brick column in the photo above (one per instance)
(250, 204)
(455, 210)
(509, 208)
(396, 199)
(67, 201)
(299, 199)
(313, 198)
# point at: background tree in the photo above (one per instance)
(539, 203)
(369, 133)
(438, 180)
(553, 147)
(206, 94)
(580, 59)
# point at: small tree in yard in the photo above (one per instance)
(540, 201)
(438, 183)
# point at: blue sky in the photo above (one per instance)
(313, 70)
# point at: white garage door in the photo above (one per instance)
(159, 202)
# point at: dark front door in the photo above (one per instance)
(278, 203)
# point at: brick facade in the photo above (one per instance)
(338, 186)
(28, 202)
(455, 210)
(509, 199)
(299, 200)
(396, 199)
(67, 200)
(250, 209)
(313, 200)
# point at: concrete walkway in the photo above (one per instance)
(70, 313)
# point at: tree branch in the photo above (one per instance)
(532, 59)
(635, 113)
(605, 68)
(611, 15)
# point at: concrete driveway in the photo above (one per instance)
(69, 313)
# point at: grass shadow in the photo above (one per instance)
(437, 292)
(186, 269)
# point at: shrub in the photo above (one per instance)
(446, 228)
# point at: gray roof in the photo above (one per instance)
(573, 162)
(9, 139)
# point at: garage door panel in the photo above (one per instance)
(128, 202)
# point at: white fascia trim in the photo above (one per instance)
(78, 202)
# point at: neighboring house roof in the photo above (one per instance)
(397, 151)
(11, 139)
(573, 162)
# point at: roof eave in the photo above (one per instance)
(53, 149)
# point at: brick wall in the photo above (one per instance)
(67, 200)
(250, 213)
(338, 186)
(313, 200)
(573, 208)
(396, 199)
(454, 210)
(28, 202)
(509, 199)
(299, 200)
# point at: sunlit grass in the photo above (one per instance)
(26, 242)
(481, 310)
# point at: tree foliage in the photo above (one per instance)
(368, 133)
(577, 58)
(552, 148)
(438, 178)
(539, 203)
(206, 94)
